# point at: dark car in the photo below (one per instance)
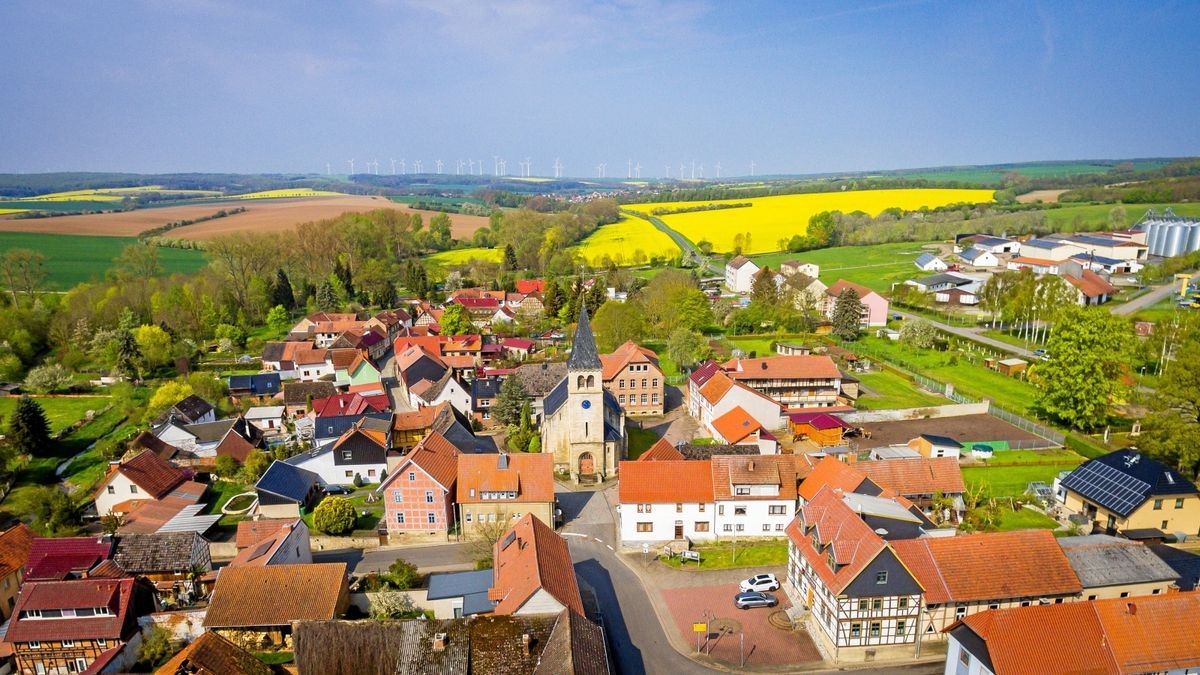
(337, 490)
(753, 599)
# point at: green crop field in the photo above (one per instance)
(1098, 213)
(985, 175)
(877, 267)
(70, 206)
(72, 259)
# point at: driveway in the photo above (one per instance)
(1145, 300)
(975, 334)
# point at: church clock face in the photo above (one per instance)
(586, 404)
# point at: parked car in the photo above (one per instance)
(760, 582)
(337, 490)
(1040, 354)
(748, 600)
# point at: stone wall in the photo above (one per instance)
(929, 412)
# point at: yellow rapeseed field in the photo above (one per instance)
(110, 194)
(294, 192)
(462, 255)
(5, 212)
(628, 241)
(772, 219)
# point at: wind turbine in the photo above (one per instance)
(681, 171)
(470, 167)
(393, 167)
(504, 167)
(718, 168)
(351, 163)
(693, 169)
(558, 168)
(667, 171)
(481, 167)
(439, 165)
(637, 170)
(528, 168)
(628, 169)
(417, 166)
(495, 165)
(458, 167)
(403, 168)
(751, 168)
(328, 169)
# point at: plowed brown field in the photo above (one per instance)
(261, 216)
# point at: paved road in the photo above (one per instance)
(387, 372)
(1145, 300)
(975, 334)
(681, 241)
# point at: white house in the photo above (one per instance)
(267, 418)
(712, 393)
(146, 477)
(755, 496)
(792, 267)
(929, 262)
(739, 274)
(360, 452)
(662, 501)
(980, 257)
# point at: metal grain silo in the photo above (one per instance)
(1193, 239)
(1153, 237)
(1176, 238)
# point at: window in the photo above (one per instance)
(654, 398)
(643, 508)
(902, 603)
(67, 644)
(856, 630)
(963, 657)
(431, 518)
(400, 518)
(720, 509)
(81, 664)
(349, 474)
(678, 507)
(1091, 597)
(654, 383)
(645, 527)
(467, 516)
(766, 527)
(112, 489)
(739, 510)
(1158, 504)
(643, 384)
(412, 476)
(1153, 592)
(621, 385)
(778, 510)
(621, 399)
(900, 626)
(960, 612)
(1163, 526)
(727, 528)
(881, 577)
(741, 491)
(701, 526)
(1024, 603)
(472, 492)
(35, 645)
(347, 456)
(778, 527)
(701, 508)
(1125, 594)
(1179, 503)
(862, 605)
(429, 496)
(994, 605)
(877, 603)
(133, 489)
(371, 472)
(876, 629)
(740, 527)
(102, 644)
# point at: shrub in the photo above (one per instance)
(358, 480)
(227, 466)
(156, 647)
(403, 575)
(47, 379)
(334, 515)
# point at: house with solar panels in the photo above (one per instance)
(1129, 494)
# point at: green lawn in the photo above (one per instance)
(640, 440)
(877, 267)
(367, 515)
(72, 259)
(1011, 481)
(1025, 519)
(889, 390)
(721, 555)
(761, 345)
(62, 412)
(275, 658)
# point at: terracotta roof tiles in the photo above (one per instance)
(153, 474)
(783, 367)
(531, 475)
(853, 541)
(916, 476)
(666, 482)
(730, 470)
(833, 473)
(662, 450)
(736, 425)
(15, 544)
(277, 595)
(211, 654)
(529, 558)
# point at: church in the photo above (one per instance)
(584, 425)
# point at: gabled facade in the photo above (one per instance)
(875, 306)
(1125, 491)
(283, 541)
(146, 477)
(15, 544)
(712, 393)
(419, 494)
(632, 374)
(755, 495)
(359, 453)
(739, 274)
(669, 500)
(503, 487)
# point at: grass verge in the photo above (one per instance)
(731, 554)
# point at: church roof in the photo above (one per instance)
(584, 355)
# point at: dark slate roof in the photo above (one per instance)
(273, 351)
(1041, 243)
(481, 388)
(1123, 480)
(983, 240)
(556, 398)
(186, 411)
(575, 647)
(944, 278)
(149, 553)
(454, 426)
(1185, 564)
(297, 393)
(261, 384)
(922, 260)
(424, 368)
(336, 425)
(211, 432)
(539, 378)
(287, 481)
(471, 586)
(1100, 560)
(942, 440)
(584, 355)
(690, 451)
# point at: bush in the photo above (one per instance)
(227, 466)
(47, 379)
(334, 515)
(358, 480)
(156, 647)
(403, 575)
(253, 468)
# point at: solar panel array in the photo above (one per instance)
(1109, 487)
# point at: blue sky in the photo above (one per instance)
(795, 87)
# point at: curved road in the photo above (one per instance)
(681, 241)
(969, 333)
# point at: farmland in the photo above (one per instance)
(295, 193)
(877, 267)
(61, 411)
(771, 219)
(459, 256)
(623, 240)
(73, 259)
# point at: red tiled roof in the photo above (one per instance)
(662, 450)
(989, 566)
(528, 286)
(820, 421)
(56, 557)
(841, 285)
(630, 352)
(715, 388)
(854, 543)
(15, 545)
(350, 404)
(735, 425)
(730, 470)
(115, 594)
(916, 475)
(417, 419)
(666, 482)
(154, 475)
(517, 343)
(833, 473)
(277, 595)
(802, 367)
(436, 456)
(250, 532)
(531, 475)
(536, 558)
(1092, 285)
(703, 372)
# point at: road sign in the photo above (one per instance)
(699, 628)
(645, 548)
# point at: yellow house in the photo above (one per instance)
(1112, 567)
(1128, 493)
(14, 555)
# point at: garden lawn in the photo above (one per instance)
(640, 440)
(720, 555)
(763, 345)
(1025, 519)
(1011, 481)
(877, 266)
(890, 390)
(61, 412)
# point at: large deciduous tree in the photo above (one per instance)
(617, 322)
(456, 320)
(1171, 430)
(1088, 352)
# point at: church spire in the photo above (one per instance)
(583, 348)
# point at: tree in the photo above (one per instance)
(1170, 431)
(167, 395)
(919, 333)
(156, 647)
(327, 299)
(512, 396)
(617, 322)
(128, 354)
(390, 606)
(684, 347)
(138, 262)
(334, 515)
(47, 379)
(847, 315)
(23, 270)
(552, 298)
(226, 466)
(28, 430)
(53, 511)
(456, 320)
(281, 291)
(254, 466)
(154, 344)
(510, 258)
(764, 291)
(403, 575)
(483, 537)
(278, 318)
(1088, 352)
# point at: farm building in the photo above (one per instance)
(932, 445)
(1092, 289)
(823, 429)
(979, 258)
(994, 245)
(956, 296)
(1010, 367)
(928, 262)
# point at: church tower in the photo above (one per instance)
(585, 402)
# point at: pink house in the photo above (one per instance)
(419, 496)
(875, 306)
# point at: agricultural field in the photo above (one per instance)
(73, 259)
(623, 240)
(292, 193)
(460, 256)
(772, 219)
(993, 175)
(1064, 217)
(877, 266)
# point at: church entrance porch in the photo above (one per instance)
(587, 465)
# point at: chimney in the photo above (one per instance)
(439, 642)
(502, 463)
(750, 466)
(525, 640)
(763, 365)
(1131, 608)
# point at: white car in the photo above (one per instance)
(760, 582)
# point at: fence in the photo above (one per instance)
(1032, 427)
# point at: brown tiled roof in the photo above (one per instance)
(539, 378)
(665, 482)
(1091, 284)
(297, 393)
(782, 367)
(833, 473)
(630, 352)
(250, 532)
(436, 456)
(15, 543)
(854, 543)
(148, 441)
(841, 285)
(531, 475)
(989, 566)
(737, 262)
(153, 553)
(418, 419)
(728, 470)
(735, 425)
(260, 553)
(211, 654)
(115, 594)
(536, 558)
(916, 476)
(662, 450)
(277, 595)
(575, 647)
(342, 358)
(154, 475)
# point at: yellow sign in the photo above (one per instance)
(699, 628)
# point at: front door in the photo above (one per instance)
(678, 531)
(587, 465)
